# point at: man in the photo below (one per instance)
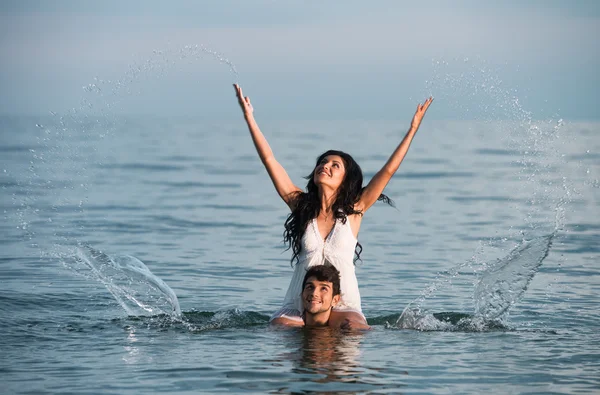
(320, 293)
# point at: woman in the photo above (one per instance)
(324, 221)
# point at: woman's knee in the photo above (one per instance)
(337, 318)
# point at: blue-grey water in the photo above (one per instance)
(112, 224)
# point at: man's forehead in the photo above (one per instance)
(314, 281)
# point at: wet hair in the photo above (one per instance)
(308, 206)
(324, 273)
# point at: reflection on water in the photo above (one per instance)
(132, 352)
(328, 352)
(325, 357)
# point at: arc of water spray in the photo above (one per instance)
(121, 274)
(500, 286)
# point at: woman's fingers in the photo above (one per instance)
(346, 324)
(244, 101)
(423, 107)
(238, 91)
(420, 113)
(427, 103)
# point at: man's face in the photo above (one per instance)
(317, 296)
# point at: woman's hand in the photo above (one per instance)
(420, 113)
(353, 325)
(283, 184)
(243, 101)
(375, 187)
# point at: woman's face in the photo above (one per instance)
(330, 172)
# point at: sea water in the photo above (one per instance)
(144, 255)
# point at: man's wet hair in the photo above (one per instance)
(324, 273)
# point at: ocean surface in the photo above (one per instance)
(144, 255)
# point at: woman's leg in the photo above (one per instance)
(348, 320)
(287, 316)
(284, 321)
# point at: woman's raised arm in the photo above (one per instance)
(382, 177)
(282, 182)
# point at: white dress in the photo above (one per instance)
(338, 250)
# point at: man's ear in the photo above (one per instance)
(335, 300)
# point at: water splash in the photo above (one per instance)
(500, 286)
(103, 96)
(412, 318)
(474, 90)
(141, 294)
(197, 321)
(67, 145)
(147, 298)
(233, 318)
(503, 283)
(130, 282)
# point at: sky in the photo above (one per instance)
(302, 59)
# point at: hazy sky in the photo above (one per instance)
(303, 59)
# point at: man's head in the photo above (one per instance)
(320, 291)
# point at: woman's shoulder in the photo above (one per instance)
(294, 199)
(354, 220)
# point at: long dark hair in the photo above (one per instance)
(308, 206)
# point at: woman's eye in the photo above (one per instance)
(336, 165)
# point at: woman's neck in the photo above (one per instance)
(327, 198)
